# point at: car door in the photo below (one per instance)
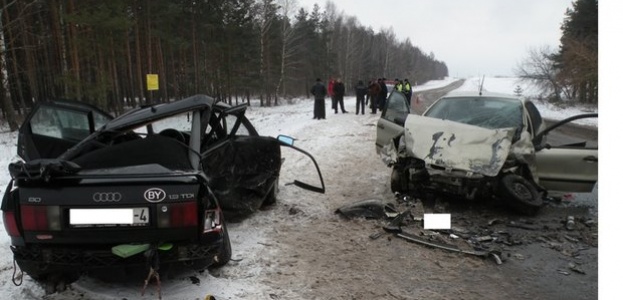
(242, 166)
(53, 127)
(564, 163)
(391, 122)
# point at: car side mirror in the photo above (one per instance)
(288, 140)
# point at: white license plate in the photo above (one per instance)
(109, 216)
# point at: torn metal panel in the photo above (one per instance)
(369, 208)
(450, 145)
(523, 151)
(389, 153)
(242, 171)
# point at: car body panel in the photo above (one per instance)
(391, 123)
(243, 167)
(452, 145)
(567, 169)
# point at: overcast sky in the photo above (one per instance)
(473, 37)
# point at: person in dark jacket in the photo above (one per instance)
(360, 90)
(319, 91)
(374, 89)
(338, 91)
(382, 94)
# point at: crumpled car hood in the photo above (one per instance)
(452, 145)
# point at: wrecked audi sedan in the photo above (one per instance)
(93, 191)
(481, 145)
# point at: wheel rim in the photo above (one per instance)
(522, 191)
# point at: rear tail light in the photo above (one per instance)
(177, 214)
(212, 221)
(40, 218)
(10, 224)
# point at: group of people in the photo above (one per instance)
(404, 87)
(375, 93)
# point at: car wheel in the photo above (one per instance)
(224, 253)
(520, 194)
(398, 181)
(271, 198)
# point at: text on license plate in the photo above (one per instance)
(109, 216)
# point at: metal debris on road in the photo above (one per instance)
(523, 226)
(570, 223)
(575, 268)
(416, 239)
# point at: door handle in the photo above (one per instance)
(380, 126)
(590, 159)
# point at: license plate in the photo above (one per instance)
(108, 216)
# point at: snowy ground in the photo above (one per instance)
(330, 141)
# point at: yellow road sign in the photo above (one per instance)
(152, 82)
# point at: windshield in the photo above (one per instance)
(491, 113)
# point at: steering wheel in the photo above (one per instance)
(174, 134)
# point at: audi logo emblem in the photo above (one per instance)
(107, 197)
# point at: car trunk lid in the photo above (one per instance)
(123, 212)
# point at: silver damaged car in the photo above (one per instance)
(482, 145)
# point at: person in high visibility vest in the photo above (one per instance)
(398, 85)
(406, 88)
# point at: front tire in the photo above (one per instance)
(398, 181)
(520, 194)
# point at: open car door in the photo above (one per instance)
(566, 165)
(242, 166)
(53, 127)
(392, 120)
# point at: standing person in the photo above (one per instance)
(398, 85)
(368, 94)
(332, 93)
(319, 92)
(383, 94)
(374, 89)
(338, 91)
(407, 90)
(360, 90)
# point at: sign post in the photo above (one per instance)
(152, 85)
(152, 82)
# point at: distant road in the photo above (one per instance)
(422, 99)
